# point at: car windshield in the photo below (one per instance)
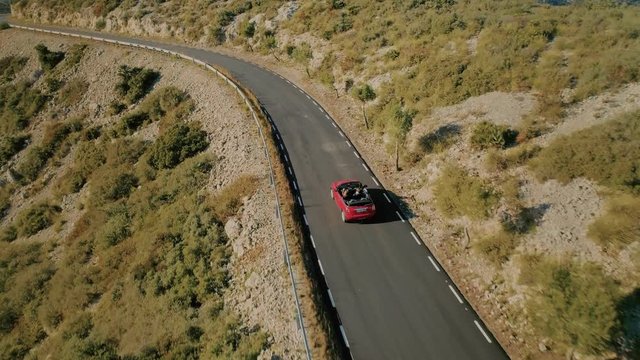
(354, 193)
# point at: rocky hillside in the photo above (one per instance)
(516, 124)
(135, 211)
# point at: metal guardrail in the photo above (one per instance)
(241, 91)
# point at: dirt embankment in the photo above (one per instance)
(259, 289)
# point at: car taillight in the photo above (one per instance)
(373, 207)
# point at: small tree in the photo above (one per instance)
(365, 94)
(400, 125)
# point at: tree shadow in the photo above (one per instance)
(440, 139)
(628, 309)
(524, 221)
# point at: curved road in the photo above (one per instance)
(394, 300)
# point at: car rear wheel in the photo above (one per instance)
(344, 219)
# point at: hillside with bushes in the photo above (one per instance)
(115, 190)
(511, 131)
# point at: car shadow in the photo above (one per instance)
(385, 212)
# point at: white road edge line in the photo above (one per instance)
(356, 154)
(434, 264)
(340, 132)
(482, 331)
(321, 268)
(312, 242)
(344, 336)
(281, 148)
(308, 97)
(348, 143)
(299, 201)
(334, 124)
(386, 197)
(331, 298)
(400, 216)
(286, 159)
(375, 181)
(295, 186)
(365, 167)
(314, 102)
(305, 220)
(415, 238)
(327, 116)
(456, 294)
(290, 172)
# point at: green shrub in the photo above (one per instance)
(73, 92)
(48, 59)
(131, 122)
(497, 248)
(8, 318)
(135, 82)
(4, 25)
(116, 229)
(574, 305)
(607, 153)
(117, 187)
(487, 135)
(36, 218)
(18, 104)
(228, 201)
(10, 66)
(116, 107)
(301, 53)
(498, 160)
(5, 198)
(74, 55)
(459, 194)
(181, 141)
(37, 156)
(9, 233)
(619, 226)
(249, 29)
(89, 157)
(11, 145)
(101, 24)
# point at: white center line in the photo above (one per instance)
(415, 238)
(434, 264)
(365, 167)
(313, 242)
(305, 220)
(321, 268)
(340, 132)
(386, 197)
(375, 181)
(456, 294)
(299, 201)
(482, 331)
(331, 298)
(399, 216)
(344, 336)
(295, 186)
(356, 154)
(348, 143)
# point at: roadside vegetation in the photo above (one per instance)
(144, 266)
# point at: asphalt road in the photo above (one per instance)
(394, 301)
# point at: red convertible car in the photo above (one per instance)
(353, 199)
